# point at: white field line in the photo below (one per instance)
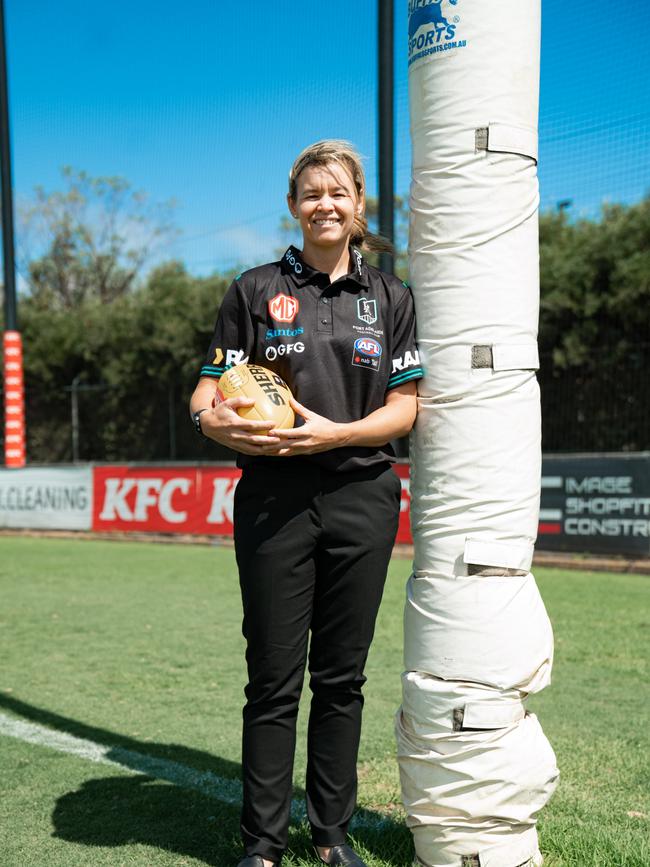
(224, 790)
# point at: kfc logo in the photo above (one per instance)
(195, 500)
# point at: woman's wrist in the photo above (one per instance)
(343, 434)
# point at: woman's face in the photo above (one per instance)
(326, 203)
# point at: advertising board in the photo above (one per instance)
(195, 500)
(164, 499)
(46, 498)
(595, 503)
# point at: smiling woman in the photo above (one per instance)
(326, 189)
(317, 506)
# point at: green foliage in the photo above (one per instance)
(595, 329)
(143, 350)
(595, 284)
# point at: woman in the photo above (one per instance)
(317, 506)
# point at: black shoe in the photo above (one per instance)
(252, 861)
(343, 855)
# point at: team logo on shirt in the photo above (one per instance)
(284, 308)
(367, 310)
(367, 353)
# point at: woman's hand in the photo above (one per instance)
(223, 424)
(394, 419)
(317, 434)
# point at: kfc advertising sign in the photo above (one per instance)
(164, 500)
(182, 500)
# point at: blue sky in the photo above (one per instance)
(209, 101)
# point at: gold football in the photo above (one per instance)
(269, 391)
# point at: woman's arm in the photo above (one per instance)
(222, 423)
(394, 419)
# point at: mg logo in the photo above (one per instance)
(283, 308)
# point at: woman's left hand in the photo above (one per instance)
(317, 434)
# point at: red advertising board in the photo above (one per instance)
(404, 528)
(164, 499)
(182, 499)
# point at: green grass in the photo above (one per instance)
(139, 646)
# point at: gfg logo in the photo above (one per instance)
(272, 352)
(367, 346)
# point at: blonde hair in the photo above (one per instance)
(323, 153)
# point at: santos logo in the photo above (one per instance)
(272, 333)
(273, 352)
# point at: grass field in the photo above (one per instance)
(137, 647)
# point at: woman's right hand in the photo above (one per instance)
(223, 424)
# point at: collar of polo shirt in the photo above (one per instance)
(302, 273)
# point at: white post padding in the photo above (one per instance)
(483, 629)
(475, 766)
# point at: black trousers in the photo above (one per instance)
(313, 549)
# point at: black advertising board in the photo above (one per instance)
(595, 504)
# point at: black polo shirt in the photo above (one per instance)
(340, 346)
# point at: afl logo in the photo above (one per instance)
(284, 308)
(367, 346)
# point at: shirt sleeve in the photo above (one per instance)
(234, 336)
(406, 358)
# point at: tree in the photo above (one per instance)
(595, 329)
(142, 353)
(93, 239)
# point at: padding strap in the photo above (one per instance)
(483, 716)
(508, 555)
(506, 356)
(504, 138)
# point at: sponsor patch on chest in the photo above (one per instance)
(283, 308)
(367, 353)
(367, 310)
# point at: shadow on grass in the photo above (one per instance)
(147, 810)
